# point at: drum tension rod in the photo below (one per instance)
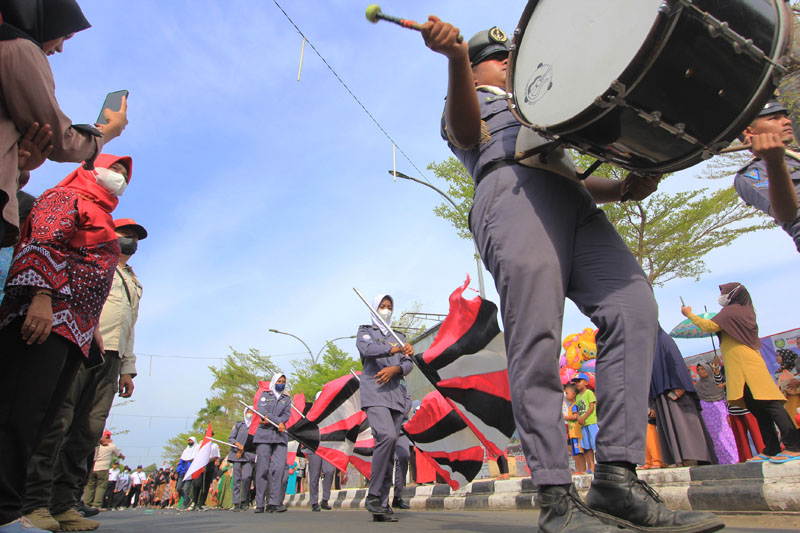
(588, 172)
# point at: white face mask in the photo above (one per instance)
(385, 314)
(113, 182)
(725, 299)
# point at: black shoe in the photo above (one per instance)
(315, 508)
(399, 503)
(86, 511)
(236, 507)
(374, 505)
(618, 497)
(279, 509)
(388, 510)
(259, 510)
(562, 510)
(383, 518)
(270, 508)
(325, 505)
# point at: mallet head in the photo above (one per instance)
(373, 13)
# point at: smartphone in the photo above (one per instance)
(682, 302)
(113, 102)
(672, 395)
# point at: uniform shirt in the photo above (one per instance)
(499, 131)
(239, 434)
(583, 401)
(138, 477)
(374, 348)
(103, 456)
(752, 185)
(277, 410)
(113, 475)
(119, 316)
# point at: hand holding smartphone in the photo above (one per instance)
(113, 102)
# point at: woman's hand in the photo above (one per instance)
(678, 392)
(34, 147)
(39, 318)
(686, 310)
(282, 427)
(385, 374)
(117, 120)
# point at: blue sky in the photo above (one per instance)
(267, 200)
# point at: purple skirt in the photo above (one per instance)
(715, 415)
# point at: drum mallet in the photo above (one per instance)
(374, 14)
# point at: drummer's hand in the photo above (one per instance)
(767, 146)
(638, 186)
(685, 310)
(441, 37)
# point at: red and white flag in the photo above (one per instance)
(203, 456)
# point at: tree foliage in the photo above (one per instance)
(234, 380)
(310, 377)
(669, 234)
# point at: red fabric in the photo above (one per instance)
(426, 472)
(337, 458)
(740, 425)
(263, 386)
(329, 391)
(200, 457)
(95, 204)
(299, 402)
(345, 424)
(494, 383)
(458, 321)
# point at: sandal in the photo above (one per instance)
(759, 458)
(783, 458)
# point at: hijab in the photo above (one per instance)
(376, 302)
(274, 382)
(738, 318)
(190, 451)
(788, 358)
(40, 20)
(707, 388)
(95, 204)
(669, 370)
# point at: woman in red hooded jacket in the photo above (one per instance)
(59, 279)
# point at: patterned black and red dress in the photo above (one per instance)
(47, 256)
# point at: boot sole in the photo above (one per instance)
(703, 527)
(383, 518)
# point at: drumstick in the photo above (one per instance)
(735, 148)
(374, 14)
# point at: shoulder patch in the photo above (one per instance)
(754, 174)
(366, 337)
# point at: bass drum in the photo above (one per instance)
(648, 85)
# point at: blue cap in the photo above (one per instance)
(772, 107)
(582, 375)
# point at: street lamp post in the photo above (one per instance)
(311, 355)
(446, 197)
(332, 341)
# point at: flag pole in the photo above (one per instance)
(262, 417)
(299, 412)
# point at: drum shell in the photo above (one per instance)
(687, 79)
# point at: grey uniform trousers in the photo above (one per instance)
(385, 424)
(57, 470)
(242, 477)
(401, 455)
(543, 239)
(270, 463)
(316, 466)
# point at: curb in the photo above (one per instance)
(743, 487)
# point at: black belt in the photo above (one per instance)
(491, 167)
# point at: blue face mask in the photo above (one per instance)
(279, 387)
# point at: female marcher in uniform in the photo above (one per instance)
(272, 444)
(382, 397)
(748, 382)
(242, 462)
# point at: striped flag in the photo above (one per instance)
(467, 364)
(202, 457)
(443, 436)
(364, 443)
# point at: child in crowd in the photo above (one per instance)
(587, 417)
(574, 428)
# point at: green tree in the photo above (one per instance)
(668, 233)
(234, 380)
(310, 377)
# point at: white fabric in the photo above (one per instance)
(190, 451)
(274, 382)
(375, 303)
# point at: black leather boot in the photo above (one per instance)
(400, 503)
(618, 497)
(374, 505)
(563, 510)
(325, 505)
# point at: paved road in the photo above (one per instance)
(301, 520)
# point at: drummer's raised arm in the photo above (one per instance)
(462, 112)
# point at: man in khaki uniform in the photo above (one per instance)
(57, 471)
(98, 479)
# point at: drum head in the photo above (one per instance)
(571, 51)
